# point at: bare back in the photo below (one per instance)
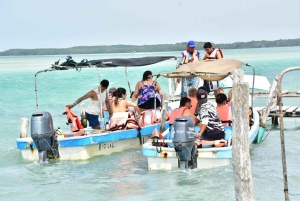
(120, 107)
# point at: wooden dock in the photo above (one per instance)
(288, 111)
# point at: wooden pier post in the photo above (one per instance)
(24, 127)
(275, 120)
(240, 148)
(283, 156)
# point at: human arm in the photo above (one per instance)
(218, 55)
(90, 94)
(179, 63)
(189, 113)
(136, 108)
(204, 57)
(136, 92)
(203, 125)
(158, 89)
(108, 104)
(179, 60)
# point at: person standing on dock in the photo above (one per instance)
(188, 56)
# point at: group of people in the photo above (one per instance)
(211, 119)
(194, 103)
(191, 55)
(148, 93)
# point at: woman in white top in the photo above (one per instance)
(93, 110)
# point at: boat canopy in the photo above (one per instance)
(108, 63)
(211, 70)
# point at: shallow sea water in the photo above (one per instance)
(125, 176)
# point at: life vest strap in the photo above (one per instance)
(229, 122)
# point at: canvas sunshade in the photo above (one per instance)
(211, 70)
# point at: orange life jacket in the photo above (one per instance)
(73, 119)
(213, 54)
(194, 103)
(122, 121)
(176, 113)
(225, 114)
(186, 59)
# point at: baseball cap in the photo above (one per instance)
(191, 43)
(202, 96)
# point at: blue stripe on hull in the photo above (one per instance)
(95, 139)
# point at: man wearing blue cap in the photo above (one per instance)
(187, 56)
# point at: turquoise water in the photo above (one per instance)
(124, 176)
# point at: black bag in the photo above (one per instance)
(211, 85)
(206, 85)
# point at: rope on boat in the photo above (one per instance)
(269, 131)
(54, 155)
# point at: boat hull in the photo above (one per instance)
(165, 158)
(85, 147)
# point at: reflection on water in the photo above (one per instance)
(126, 172)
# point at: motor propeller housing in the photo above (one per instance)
(43, 135)
(184, 142)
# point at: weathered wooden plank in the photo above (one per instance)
(272, 101)
(291, 109)
(24, 127)
(284, 108)
(274, 109)
(259, 108)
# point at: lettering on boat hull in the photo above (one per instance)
(106, 146)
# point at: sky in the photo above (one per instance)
(34, 24)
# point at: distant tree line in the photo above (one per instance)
(146, 48)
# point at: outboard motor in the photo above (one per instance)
(184, 142)
(43, 135)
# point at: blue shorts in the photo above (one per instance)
(93, 119)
